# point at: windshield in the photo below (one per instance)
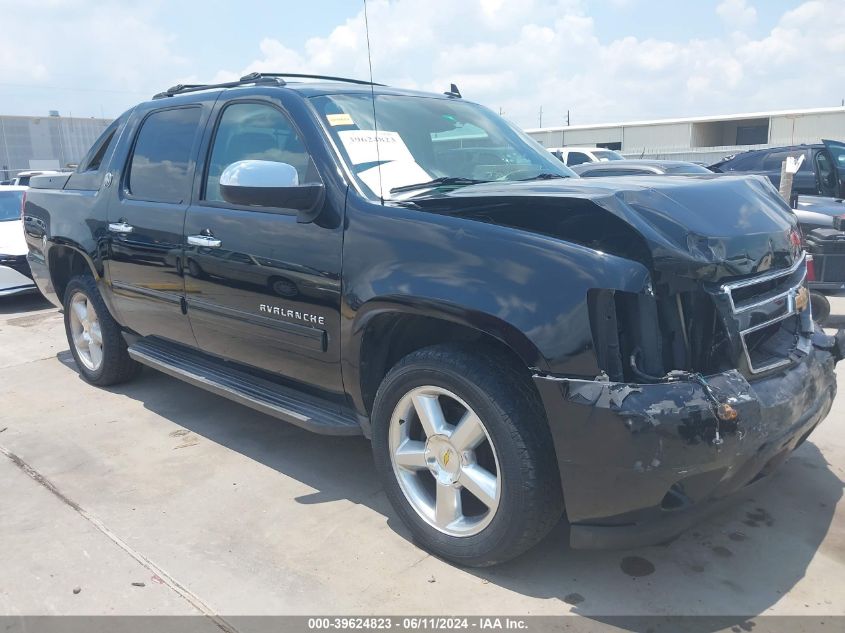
(606, 154)
(422, 139)
(10, 205)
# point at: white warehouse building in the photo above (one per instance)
(701, 139)
(45, 142)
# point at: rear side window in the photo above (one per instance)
(94, 158)
(162, 161)
(97, 158)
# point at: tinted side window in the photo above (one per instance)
(753, 161)
(254, 131)
(161, 165)
(577, 158)
(774, 160)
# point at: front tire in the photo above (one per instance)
(820, 306)
(94, 336)
(465, 454)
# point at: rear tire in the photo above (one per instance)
(509, 443)
(94, 336)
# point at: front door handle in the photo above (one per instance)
(204, 240)
(121, 227)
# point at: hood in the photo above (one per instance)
(707, 227)
(12, 241)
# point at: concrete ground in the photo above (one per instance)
(158, 498)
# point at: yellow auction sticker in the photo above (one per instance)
(339, 119)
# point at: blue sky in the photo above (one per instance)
(604, 60)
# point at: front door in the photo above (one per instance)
(145, 222)
(836, 150)
(261, 288)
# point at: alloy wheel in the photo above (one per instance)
(85, 331)
(445, 461)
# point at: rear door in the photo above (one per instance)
(837, 154)
(262, 288)
(146, 217)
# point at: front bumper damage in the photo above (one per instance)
(640, 463)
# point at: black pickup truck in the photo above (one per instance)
(516, 341)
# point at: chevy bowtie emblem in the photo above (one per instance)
(446, 457)
(802, 298)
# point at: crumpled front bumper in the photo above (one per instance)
(640, 463)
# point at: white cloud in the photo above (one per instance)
(67, 51)
(519, 56)
(736, 14)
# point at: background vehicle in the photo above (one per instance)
(577, 155)
(15, 276)
(821, 174)
(827, 271)
(482, 321)
(640, 168)
(818, 212)
(22, 178)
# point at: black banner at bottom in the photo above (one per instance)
(439, 624)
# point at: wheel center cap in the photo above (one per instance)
(442, 459)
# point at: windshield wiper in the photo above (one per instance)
(437, 182)
(543, 176)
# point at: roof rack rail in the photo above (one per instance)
(276, 79)
(347, 80)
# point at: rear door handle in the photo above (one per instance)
(121, 227)
(204, 240)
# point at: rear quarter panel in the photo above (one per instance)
(63, 218)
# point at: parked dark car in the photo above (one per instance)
(640, 168)
(512, 338)
(821, 174)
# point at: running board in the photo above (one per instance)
(290, 405)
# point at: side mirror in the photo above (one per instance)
(265, 183)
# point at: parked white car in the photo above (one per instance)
(579, 155)
(15, 276)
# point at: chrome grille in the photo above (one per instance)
(775, 303)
